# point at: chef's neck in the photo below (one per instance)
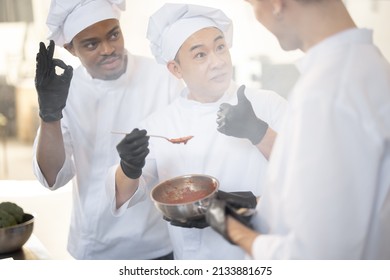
(334, 18)
(205, 97)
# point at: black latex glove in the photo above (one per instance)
(216, 215)
(240, 120)
(242, 199)
(133, 150)
(195, 223)
(52, 88)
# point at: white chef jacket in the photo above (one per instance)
(235, 162)
(328, 191)
(95, 108)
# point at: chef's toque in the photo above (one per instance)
(172, 24)
(67, 18)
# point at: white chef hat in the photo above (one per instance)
(67, 18)
(172, 24)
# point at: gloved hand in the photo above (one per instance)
(216, 215)
(241, 199)
(195, 223)
(52, 88)
(133, 150)
(240, 120)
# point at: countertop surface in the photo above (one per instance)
(32, 250)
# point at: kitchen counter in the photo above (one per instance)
(32, 250)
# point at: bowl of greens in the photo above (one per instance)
(16, 227)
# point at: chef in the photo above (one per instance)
(193, 43)
(327, 194)
(112, 90)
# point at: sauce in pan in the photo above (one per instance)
(184, 195)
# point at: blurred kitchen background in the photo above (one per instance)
(258, 61)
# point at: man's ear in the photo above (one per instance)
(69, 47)
(174, 68)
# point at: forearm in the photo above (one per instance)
(50, 150)
(241, 235)
(266, 144)
(124, 187)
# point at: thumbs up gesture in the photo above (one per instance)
(240, 120)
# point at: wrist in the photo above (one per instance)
(125, 187)
(266, 144)
(240, 234)
(259, 129)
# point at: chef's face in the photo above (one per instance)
(276, 16)
(205, 65)
(100, 48)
